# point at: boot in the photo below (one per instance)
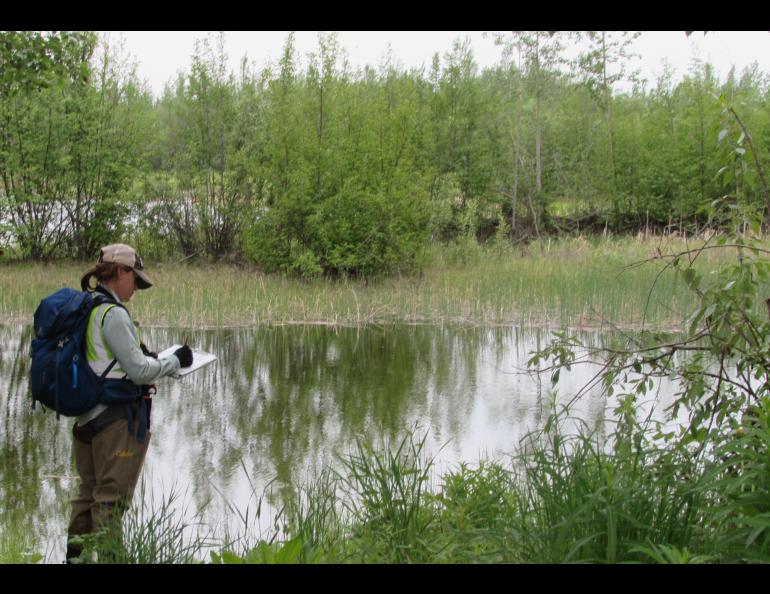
(73, 553)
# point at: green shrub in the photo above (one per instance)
(356, 232)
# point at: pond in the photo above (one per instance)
(283, 403)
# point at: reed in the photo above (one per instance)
(317, 521)
(571, 282)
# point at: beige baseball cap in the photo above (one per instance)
(121, 253)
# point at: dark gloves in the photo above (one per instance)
(147, 352)
(185, 356)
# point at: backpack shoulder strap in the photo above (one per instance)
(100, 298)
(104, 312)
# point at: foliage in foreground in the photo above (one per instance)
(147, 533)
(720, 364)
(564, 498)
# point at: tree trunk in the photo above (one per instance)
(538, 144)
(516, 150)
(760, 170)
(702, 148)
(608, 113)
(538, 140)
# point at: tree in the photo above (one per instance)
(207, 141)
(47, 106)
(605, 50)
(33, 60)
(541, 51)
(108, 126)
(344, 195)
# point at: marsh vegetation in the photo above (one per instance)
(577, 282)
(507, 316)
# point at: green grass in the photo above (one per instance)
(386, 497)
(148, 532)
(17, 544)
(574, 282)
(578, 502)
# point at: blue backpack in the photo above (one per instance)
(60, 377)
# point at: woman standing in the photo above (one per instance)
(110, 440)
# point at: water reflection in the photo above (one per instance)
(282, 403)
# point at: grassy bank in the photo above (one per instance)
(572, 282)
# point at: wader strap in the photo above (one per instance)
(143, 421)
(56, 402)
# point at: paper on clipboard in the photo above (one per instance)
(200, 359)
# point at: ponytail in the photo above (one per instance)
(103, 271)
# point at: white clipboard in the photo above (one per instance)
(200, 359)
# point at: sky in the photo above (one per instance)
(161, 54)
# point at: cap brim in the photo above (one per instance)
(142, 280)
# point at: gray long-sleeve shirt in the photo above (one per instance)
(121, 336)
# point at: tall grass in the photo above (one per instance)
(317, 520)
(564, 499)
(576, 501)
(475, 509)
(566, 282)
(17, 544)
(386, 497)
(149, 532)
(739, 489)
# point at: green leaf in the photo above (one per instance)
(227, 558)
(722, 134)
(689, 276)
(290, 551)
(695, 320)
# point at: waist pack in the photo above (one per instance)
(60, 377)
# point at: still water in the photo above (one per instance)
(281, 404)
